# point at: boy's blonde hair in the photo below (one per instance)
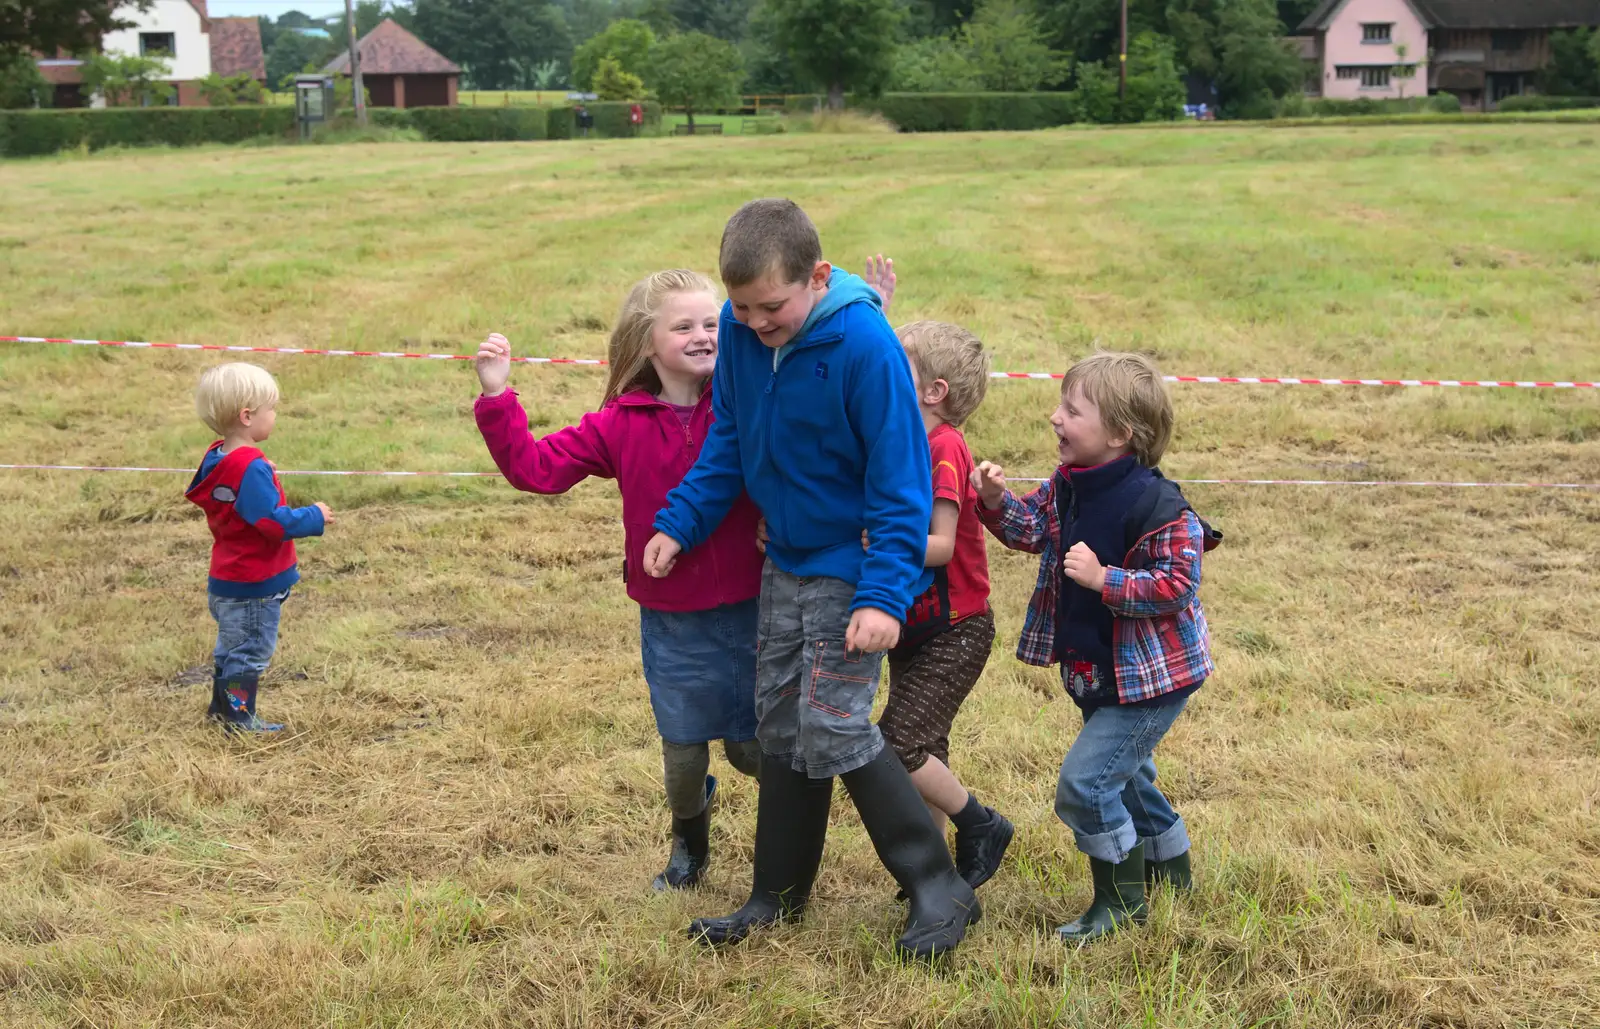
(949, 352)
(227, 389)
(1132, 398)
(629, 350)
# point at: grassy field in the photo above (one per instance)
(1392, 780)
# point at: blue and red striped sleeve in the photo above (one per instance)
(258, 504)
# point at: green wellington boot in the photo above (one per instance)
(1118, 900)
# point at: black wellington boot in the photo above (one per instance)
(942, 904)
(1175, 871)
(691, 846)
(219, 697)
(239, 697)
(791, 827)
(1118, 900)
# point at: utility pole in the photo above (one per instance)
(1122, 62)
(361, 93)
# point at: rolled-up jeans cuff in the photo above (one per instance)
(1112, 846)
(1170, 844)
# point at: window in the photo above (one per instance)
(1371, 77)
(1377, 32)
(1505, 42)
(157, 44)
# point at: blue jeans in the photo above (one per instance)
(1107, 791)
(247, 633)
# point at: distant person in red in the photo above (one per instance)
(253, 563)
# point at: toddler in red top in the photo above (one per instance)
(949, 629)
(252, 528)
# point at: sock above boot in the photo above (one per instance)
(973, 815)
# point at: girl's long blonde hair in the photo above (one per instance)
(629, 350)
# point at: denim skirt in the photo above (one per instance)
(701, 668)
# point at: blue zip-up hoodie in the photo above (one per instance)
(828, 444)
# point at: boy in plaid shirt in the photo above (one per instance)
(1116, 606)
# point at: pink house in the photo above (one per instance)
(1369, 48)
(1480, 51)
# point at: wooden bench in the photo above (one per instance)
(705, 128)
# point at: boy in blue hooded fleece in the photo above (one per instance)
(817, 418)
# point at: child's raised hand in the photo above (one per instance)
(660, 554)
(1083, 568)
(880, 276)
(989, 479)
(327, 513)
(761, 535)
(494, 364)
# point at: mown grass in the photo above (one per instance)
(1391, 781)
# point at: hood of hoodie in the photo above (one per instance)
(844, 289)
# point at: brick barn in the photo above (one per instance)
(400, 70)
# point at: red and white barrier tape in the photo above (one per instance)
(285, 350)
(1240, 380)
(1187, 482)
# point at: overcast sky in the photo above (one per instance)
(273, 8)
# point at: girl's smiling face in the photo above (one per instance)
(683, 342)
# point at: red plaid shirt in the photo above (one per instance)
(1159, 635)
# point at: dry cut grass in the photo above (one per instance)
(1391, 782)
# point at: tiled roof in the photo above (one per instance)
(1509, 14)
(236, 48)
(1481, 14)
(62, 72)
(391, 50)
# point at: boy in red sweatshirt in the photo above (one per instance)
(252, 526)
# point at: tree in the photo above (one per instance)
(1255, 67)
(369, 13)
(612, 83)
(128, 80)
(1005, 46)
(500, 44)
(932, 65)
(839, 44)
(725, 19)
(230, 91)
(1403, 71)
(22, 84)
(695, 71)
(626, 41)
(1574, 68)
(291, 54)
(1155, 90)
(75, 26)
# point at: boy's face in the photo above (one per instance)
(930, 397)
(257, 424)
(774, 309)
(1083, 440)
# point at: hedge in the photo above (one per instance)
(1325, 107)
(471, 124)
(1547, 103)
(28, 133)
(610, 119)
